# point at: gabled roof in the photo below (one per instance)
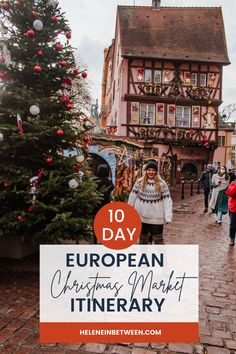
(181, 33)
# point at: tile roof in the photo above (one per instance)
(181, 33)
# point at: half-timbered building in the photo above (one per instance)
(165, 83)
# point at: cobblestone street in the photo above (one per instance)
(19, 313)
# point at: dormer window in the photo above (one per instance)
(203, 80)
(156, 4)
(148, 75)
(157, 76)
(194, 79)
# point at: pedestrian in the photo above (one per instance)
(231, 175)
(231, 192)
(205, 181)
(219, 199)
(105, 186)
(151, 198)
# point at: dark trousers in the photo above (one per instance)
(150, 233)
(232, 226)
(152, 229)
(206, 196)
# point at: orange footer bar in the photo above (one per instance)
(102, 332)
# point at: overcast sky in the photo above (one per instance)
(93, 27)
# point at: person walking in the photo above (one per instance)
(105, 185)
(205, 181)
(151, 198)
(231, 193)
(231, 175)
(219, 198)
(103, 181)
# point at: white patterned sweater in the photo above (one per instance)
(153, 207)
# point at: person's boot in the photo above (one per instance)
(158, 239)
(150, 239)
(143, 239)
(231, 242)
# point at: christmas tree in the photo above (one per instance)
(44, 195)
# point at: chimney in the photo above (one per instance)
(156, 5)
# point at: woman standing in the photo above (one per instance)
(150, 196)
(219, 199)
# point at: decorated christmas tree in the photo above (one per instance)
(44, 192)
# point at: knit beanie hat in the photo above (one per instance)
(151, 164)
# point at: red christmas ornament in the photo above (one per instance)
(30, 33)
(77, 168)
(68, 35)
(65, 99)
(87, 139)
(67, 81)
(30, 209)
(60, 132)
(40, 53)
(76, 71)
(69, 106)
(34, 13)
(86, 119)
(58, 46)
(54, 18)
(19, 217)
(4, 76)
(37, 69)
(63, 63)
(49, 160)
(5, 185)
(84, 75)
(5, 5)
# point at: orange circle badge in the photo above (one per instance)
(117, 225)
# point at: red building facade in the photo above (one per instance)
(166, 75)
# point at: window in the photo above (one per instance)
(221, 140)
(157, 76)
(202, 79)
(147, 114)
(148, 75)
(194, 79)
(211, 79)
(183, 116)
(134, 113)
